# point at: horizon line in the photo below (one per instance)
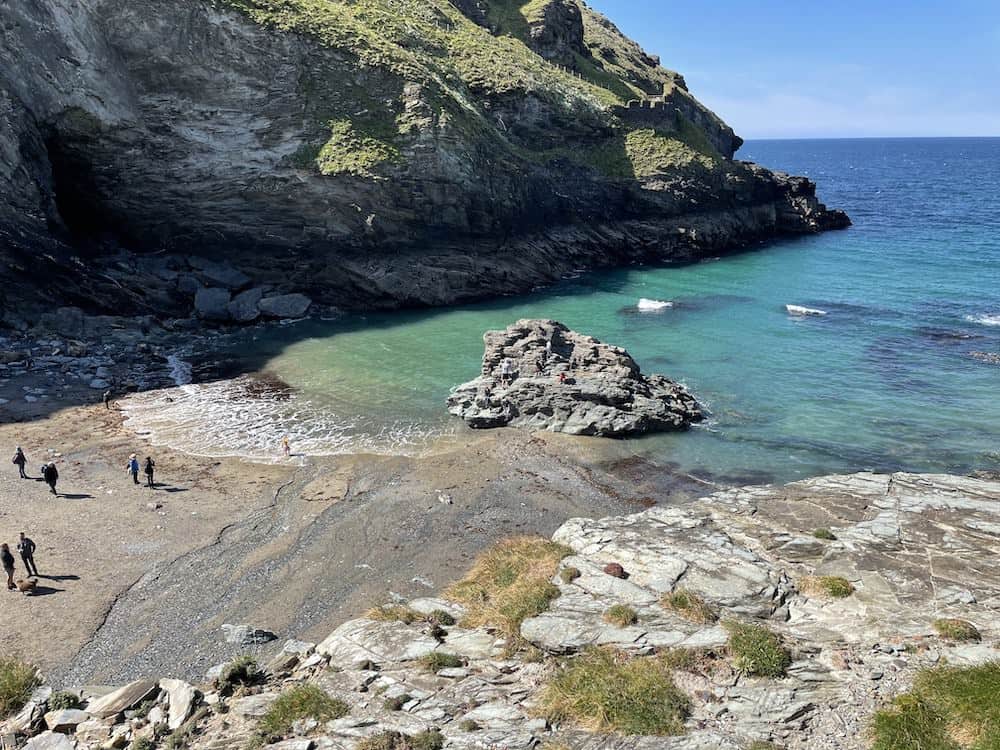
(866, 137)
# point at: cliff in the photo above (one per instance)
(369, 153)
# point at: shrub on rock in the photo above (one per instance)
(756, 651)
(568, 575)
(833, 587)
(690, 606)
(606, 691)
(301, 702)
(953, 629)
(243, 670)
(17, 680)
(438, 660)
(621, 616)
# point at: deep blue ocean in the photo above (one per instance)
(889, 378)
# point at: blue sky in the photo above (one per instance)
(830, 69)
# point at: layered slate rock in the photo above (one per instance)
(538, 374)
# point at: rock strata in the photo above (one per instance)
(916, 548)
(540, 375)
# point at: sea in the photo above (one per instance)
(889, 370)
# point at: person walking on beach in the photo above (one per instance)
(20, 459)
(107, 399)
(51, 475)
(132, 467)
(7, 559)
(286, 446)
(26, 549)
(150, 466)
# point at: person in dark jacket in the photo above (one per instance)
(150, 467)
(20, 459)
(51, 475)
(26, 549)
(7, 560)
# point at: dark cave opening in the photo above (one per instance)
(78, 201)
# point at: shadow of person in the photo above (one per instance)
(43, 591)
(174, 489)
(70, 496)
(60, 578)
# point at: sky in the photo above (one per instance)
(830, 69)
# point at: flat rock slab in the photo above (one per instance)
(124, 698)
(50, 741)
(540, 375)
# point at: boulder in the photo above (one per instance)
(212, 303)
(99, 384)
(181, 698)
(50, 741)
(123, 698)
(540, 375)
(243, 308)
(284, 306)
(247, 635)
(224, 275)
(65, 720)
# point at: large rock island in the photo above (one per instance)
(538, 374)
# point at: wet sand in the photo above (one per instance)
(138, 581)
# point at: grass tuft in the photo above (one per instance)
(756, 651)
(621, 616)
(825, 534)
(300, 702)
(430, 740)
(961, 631)
(243, 670)
(949, 708)
(394, 613)
(397, 702)
(17, 680)
(440, 617)
(63, 699)
(690, 606)
(834, 587)
(509, 583)
(568, 575)
(438, 660)
(603, 690)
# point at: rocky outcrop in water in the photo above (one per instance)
(366, 154)
(538, 374)
(915, 550)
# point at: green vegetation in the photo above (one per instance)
(63, 699)
(142, 743)
(468, 725)
(509, 583)
(397, 702)
(17, 680)
(438, 660)
(962, 631)
(430, 740)
(621, 616)
(300, 702)
(833, 587)
(604, 690)
(690, 606)
(825, 534)
(349, 151)
(440, 617)
(651, 152)
(949, 708)
(568, 575)
(394, 613)
(242, 670)
(762, 745)
(756, 651)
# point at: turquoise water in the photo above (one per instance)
(885, 380)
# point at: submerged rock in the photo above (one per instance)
(541, 375)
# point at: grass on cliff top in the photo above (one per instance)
(300, 702)
(949, 708)
(603, 690)
(510, 582)
(756, 651)
(621, 616)
(17, 680)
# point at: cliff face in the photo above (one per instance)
(374, 153)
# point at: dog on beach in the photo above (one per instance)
(26, 587)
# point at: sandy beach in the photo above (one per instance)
(137, 581)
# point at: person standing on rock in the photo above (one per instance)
(51, 475)
(132, 467)
(7, 560)
(107, 399)
(506, 371)
(150, 467)
(26, 549)
(20, 459)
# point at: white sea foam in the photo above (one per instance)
(180, 371)
(653, 305)
(243, 418)
(984, 320)
(799, 310)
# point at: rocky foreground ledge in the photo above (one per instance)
(786, 615)
(540, 375)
